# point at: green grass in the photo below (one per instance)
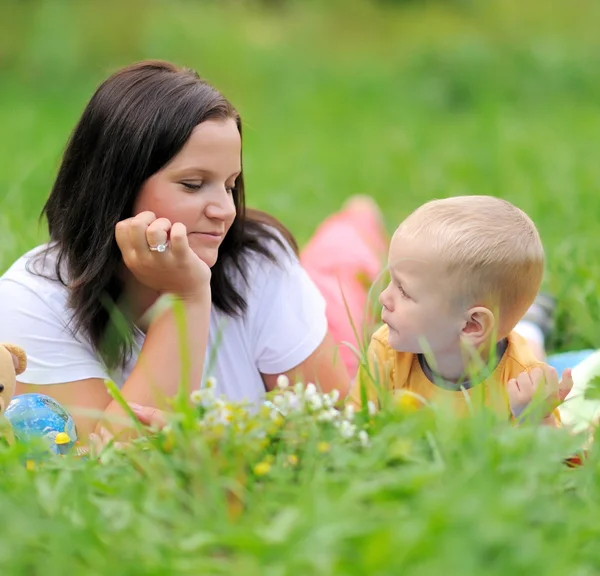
(404, 101)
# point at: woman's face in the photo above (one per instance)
(195, 188)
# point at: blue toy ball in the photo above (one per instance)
(36, 417)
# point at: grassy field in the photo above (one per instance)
(407, 102)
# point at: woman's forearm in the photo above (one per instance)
(172, 354)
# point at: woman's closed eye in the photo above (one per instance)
(192, 185)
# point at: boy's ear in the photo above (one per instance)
(479, 326)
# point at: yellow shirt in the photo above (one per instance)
(402, 371)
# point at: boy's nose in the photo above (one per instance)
(385, 300)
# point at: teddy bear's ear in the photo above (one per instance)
(19, 357)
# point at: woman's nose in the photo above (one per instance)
(222, 207)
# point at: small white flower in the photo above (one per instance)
(334, 395)
(224, 416)
(311, 390)
(279, 401)
(292, 403)
(315, 402)
(324, 416)
(371, 407)
(298, 388)
(364, 438)
(327, 401)
(196, 396)
(346, 429)
(211, 418)
(328, 415)
(220, 413)
(349, 412)
(220, 403)
(283, 382)
(207, 398)
(211, 382)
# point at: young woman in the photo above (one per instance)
(149, 203)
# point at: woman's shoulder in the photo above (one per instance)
(35, 315)
(275, 274)
(33, 274)
(266, 260)
(286, 316)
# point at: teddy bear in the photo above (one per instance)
(13, 362)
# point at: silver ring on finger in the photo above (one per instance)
(159, 247)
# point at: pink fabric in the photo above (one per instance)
(344, 257)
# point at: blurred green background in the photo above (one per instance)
(405, 101)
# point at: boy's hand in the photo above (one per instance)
(539, 382)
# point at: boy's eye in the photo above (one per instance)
(191, 185)
(402, 292)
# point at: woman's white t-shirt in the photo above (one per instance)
(283, 325)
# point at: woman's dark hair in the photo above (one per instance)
(135, 123)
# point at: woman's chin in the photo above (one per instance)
(209, 257)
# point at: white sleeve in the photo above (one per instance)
(287, 314)
(54, 354)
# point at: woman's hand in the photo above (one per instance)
(154, 418)
(177, 270)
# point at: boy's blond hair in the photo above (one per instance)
(492, 250)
